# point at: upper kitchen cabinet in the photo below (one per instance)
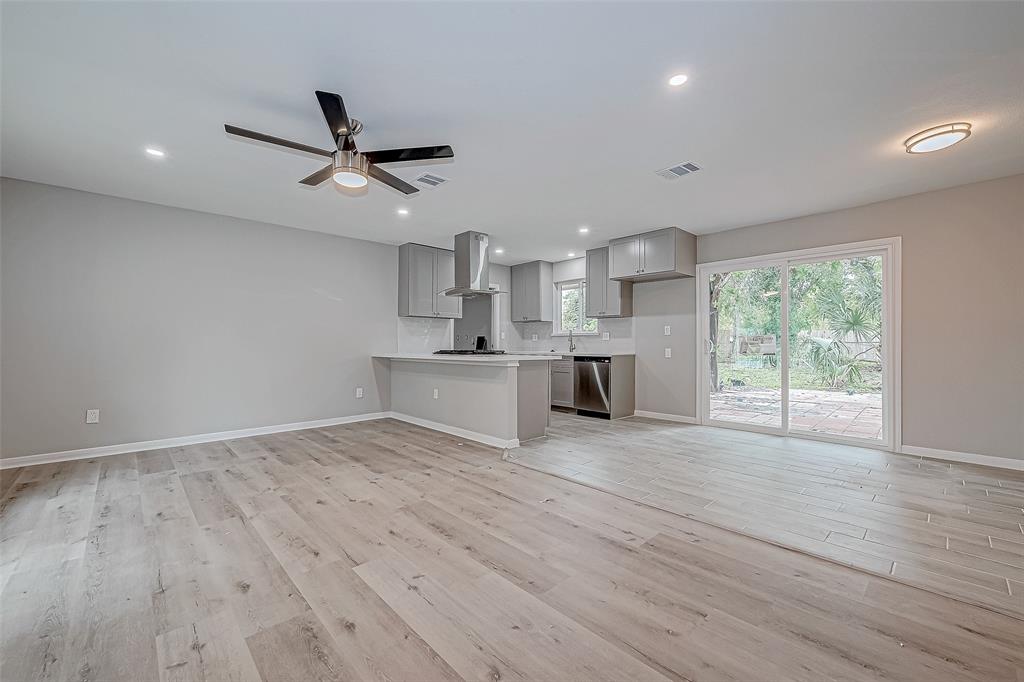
(662, 254)
(606, 297)
(424, 272)
(533, 292)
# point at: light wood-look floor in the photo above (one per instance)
(383, 551)
(951, 528)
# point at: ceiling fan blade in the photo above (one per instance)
(391, 180)
(410, 154)
(318, 177)
(252, 135)
(334, 113)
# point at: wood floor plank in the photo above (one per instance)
(298, 650)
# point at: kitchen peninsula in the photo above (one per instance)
(497, 400)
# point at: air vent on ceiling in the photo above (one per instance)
(430, 181)
(678, 171)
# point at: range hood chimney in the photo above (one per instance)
(472, 266)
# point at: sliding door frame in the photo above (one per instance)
(890, 251)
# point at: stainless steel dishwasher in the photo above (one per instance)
(592, 394)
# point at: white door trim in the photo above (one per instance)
(891, 251)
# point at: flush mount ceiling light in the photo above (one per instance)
(678, 79)
(937, 138)
(402, 211)
(571, 255)
(584, 229)
(350, 169)
(499, 251)
(153, 151)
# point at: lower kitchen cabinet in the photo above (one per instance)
(561, 383)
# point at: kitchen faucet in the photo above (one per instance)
(572, 344)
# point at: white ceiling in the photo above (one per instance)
(559, 114)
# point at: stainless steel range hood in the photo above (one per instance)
(472, 266)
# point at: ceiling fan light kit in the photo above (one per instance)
(349, 167)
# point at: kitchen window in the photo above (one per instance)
(570, 307)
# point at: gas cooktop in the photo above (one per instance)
(468, 352)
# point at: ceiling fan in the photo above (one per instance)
(350, 167)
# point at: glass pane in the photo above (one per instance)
(589, 323)
(746, 379)
(570, 306)
(835, 341)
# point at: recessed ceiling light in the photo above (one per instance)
(584, 229)
(499, 251)
(678, 79)
(152, 151)
(937, 138)
(571, 254)
(402, 211)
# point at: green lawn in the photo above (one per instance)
(799, 377)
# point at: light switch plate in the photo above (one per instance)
(605, 336)
(435, 394)
(92, 416)
(359, 391)
(668, 352)
(533, 337)
(668, 330)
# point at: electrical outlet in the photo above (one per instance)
(668, 352)
(92, 416)
(435, 394)
(605, 336)
(503, 335)
(668, 330)
(533, 337)
(359, 391)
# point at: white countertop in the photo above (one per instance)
(503, 359)
(556, 354)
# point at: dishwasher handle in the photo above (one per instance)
(590, 358)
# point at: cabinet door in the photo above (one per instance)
(446, 306)
(561, 383)
(658, 251)
(624, 257)
(518, 293)
(421, 281)
(597, 282)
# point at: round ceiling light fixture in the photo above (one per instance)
(571, 254)
(678, 79)
(402, 211)
(939, 137)
(158, 153)
(350, 169)
(584, 229)
(499, 251)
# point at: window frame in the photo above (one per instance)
(556, 326)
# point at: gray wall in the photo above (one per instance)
(963, 304)
(176, 322)
(665, 385)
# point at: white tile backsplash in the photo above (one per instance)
(423, 334)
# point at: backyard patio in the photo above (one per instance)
(833, 412)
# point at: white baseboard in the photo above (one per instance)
(106, 450)
(666, 417)
(965, 457)
(493, 441)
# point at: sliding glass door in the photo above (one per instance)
(744, 375)
(803, 343)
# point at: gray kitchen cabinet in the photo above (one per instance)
(561, 383)
(606, 297)
(533, 292)
(423, 273)
(669, 253)
(446, 306)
